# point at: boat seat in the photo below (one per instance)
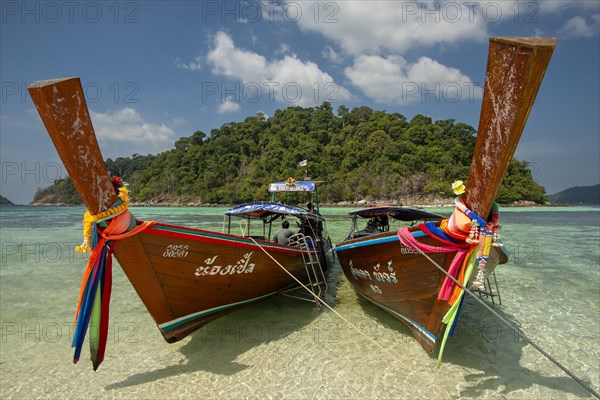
(256, 237)
(364, 233)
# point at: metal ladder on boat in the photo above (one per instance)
(314, 271)
(488, 289)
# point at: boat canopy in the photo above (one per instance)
(397, 213)
(269, 211)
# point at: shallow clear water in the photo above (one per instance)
(285, 348)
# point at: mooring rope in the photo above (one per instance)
(511, 325)
(244, 227)
(353, 326)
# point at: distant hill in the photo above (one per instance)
(5, 201)
(62, 192)
(577, 195)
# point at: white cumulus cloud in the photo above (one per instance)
(579, 27)
(393, 80)
(195, 65)
(288, 79)
(115, 129)
(230, 61)
(383, 27)
(556, 6)
(378, 35)
(374, 27)
(330, 54)
(228, 106)
(282, 49)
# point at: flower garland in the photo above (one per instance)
(483, 235)
(90, 221)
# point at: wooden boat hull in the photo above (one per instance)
(188, 277)
(401, 281)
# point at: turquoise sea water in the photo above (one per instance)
(285, 348)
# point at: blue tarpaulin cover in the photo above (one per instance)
(265, 209)
(398, 213)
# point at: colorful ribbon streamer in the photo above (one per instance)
(94, 296)
(453, 234)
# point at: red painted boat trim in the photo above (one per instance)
(217, 238)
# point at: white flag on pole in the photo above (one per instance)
(303, 163)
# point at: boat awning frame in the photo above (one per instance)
(395, 212)
(269, 211)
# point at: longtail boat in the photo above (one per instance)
(185, 277)
(409, 272)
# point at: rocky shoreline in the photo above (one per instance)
(420, 201)
(360, 203)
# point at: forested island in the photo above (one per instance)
(578, 195)
(5, 202)
(361, 154)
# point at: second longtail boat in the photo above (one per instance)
(405, 271)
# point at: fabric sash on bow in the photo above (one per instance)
(94, 294)
(461, 249)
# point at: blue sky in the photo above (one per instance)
(155, 71)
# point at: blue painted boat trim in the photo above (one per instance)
(372, 242)
(167, 326)
(428, 334)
